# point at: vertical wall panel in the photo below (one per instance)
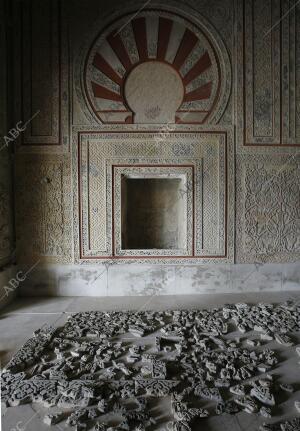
(268, 80)
(41, 71)
(290, 80)
(262, 72)
(42, 61)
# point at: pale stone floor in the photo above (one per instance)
(24, 315)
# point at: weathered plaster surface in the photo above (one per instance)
(110, 279)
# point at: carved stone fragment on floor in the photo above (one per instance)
(87, 367)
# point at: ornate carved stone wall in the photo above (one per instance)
(98, 154)
(43, 163)
(216, 65)
(268, 139)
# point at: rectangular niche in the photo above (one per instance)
(153, 210)
(153, 213)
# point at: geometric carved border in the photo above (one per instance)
(95, 151)
(268, 209)
(185, 195)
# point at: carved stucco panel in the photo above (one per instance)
(268, 209)
(43, 205)
(99, 150)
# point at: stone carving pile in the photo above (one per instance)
(103, 370)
